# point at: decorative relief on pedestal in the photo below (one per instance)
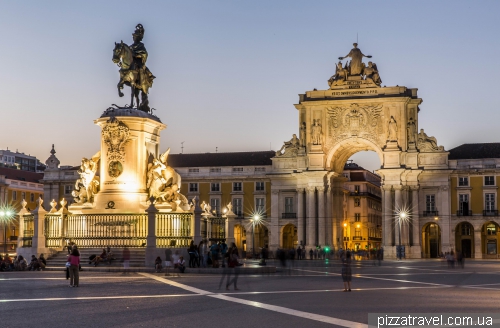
(115, 134)
(88, 184)
(164, 183)
(355, 120)
(426, 143)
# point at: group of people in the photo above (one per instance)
(105, 256)
(452, 257)
(19, 263)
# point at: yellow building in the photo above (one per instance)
(474, 200)
(239, 179)
(362, 225)
(16, 186)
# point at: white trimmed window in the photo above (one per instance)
(289, 205)
(215, 170)
(23, 195)
(259, 186)
(259, 205)
(430, 203)
(237, 186)
(215, 186)
(215, 205)
(14, 195)
(489, 204)
(463, 181)
(489, 181)
(357, 217)
(193, 187)
(357, 202)
(238, 206)
(32, 197)
(68, 189)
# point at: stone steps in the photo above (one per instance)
(137, 257)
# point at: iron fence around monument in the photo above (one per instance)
(52, 230)
(102, 230)
(28, 230)
(173, 229)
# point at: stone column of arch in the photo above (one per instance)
(274, 238)
(321, 216)
(398, 202)
(330, 227)
(417, 233)
(387, 226)
(311, 218)
(300, 216)
(478, 252)
(405, 228)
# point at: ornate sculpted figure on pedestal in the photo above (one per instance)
(163, 182)
(133, 70)
(340, 75)
(393, 130)
(411, 130)
(115, 134)
(88, 184)
(356, 66)
(302, 134)
(316, 132)
(426, 143)
(290, 148)
(371, 73)
(207, 209)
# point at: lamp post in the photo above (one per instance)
(345, 228)
(6, 215)
(402, 215)
(255, 220)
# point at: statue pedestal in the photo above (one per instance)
(130, 139)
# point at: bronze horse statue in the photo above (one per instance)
(139, 79)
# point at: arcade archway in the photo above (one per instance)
(490, 240)
(464, 239)
(431, 240)
(289, 238)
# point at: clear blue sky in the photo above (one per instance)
(229, 72)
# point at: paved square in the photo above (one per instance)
(306, 294)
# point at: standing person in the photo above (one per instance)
(223, 248)
(311, 254)
(202, 250)
(346, 272)
(233, 264)
(214, 250)
(158, 265)
(74, 274)
(192, 254)
(126, 259)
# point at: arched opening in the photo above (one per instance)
(259, 236)
(464, 239)
(289, 238)
(431, 240)
(240, 238)
(489, 240)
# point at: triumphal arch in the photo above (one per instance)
(358, 113)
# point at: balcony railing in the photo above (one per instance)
(357, 238)
(464, 213)
(288, 215)
(490, 213)
(431, 213)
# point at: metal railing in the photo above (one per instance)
(52, 230)
(464, 213)
(28, 231)
(431, 213)
(113, 230)
(173, 229)
(490, 213)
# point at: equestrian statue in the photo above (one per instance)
(133, 71)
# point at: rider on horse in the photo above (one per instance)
(140, 57)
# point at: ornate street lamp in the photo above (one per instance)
(255, 220)
(7, 214)
(402, 215)
(345, 230)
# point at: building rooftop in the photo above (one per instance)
(475, 151)
(250, 158)
(21, 175)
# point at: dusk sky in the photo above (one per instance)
(228, 72)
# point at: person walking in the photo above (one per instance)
(346, 272)
(192, 254)
(74, 274)
(126, 260)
